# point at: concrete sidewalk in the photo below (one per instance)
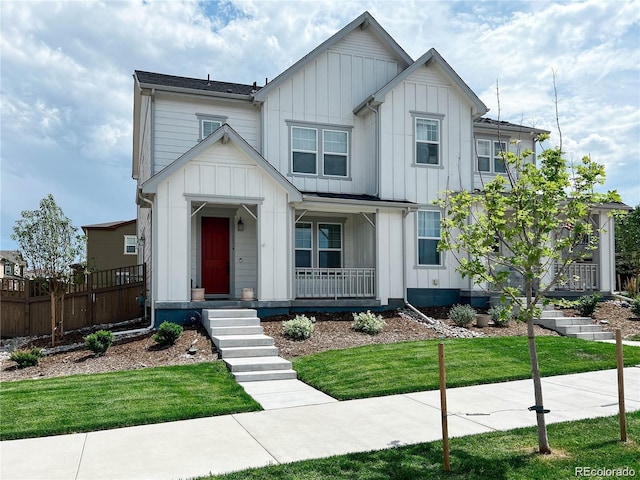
(221, 444)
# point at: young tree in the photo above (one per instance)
(628, 250)
(526, 222)
(49, 244)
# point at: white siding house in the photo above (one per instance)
(317, 189)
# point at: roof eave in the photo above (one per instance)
(195, 91)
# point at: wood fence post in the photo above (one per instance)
(27, 307)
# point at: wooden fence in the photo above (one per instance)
(96, 298)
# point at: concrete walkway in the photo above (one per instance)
(221, 444)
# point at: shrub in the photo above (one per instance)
(99, 342)
(462, 315)
(635, 307)
(367, 323)
(26, 358)
(501, 315)
(587, 305)
(168, 333)
(300, 328)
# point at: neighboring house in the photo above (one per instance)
(11, 264)
(317, 189)
(111, 245)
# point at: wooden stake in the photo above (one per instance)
(620, 361)
(443, 408)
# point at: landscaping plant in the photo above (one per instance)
(300, 328)
(167, 334)
(462, 315)
(635, 307)
(501, 315)
(586, 305)
(367, 322)
(26, 358)
(99, 342)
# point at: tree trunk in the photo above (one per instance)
(543, 441)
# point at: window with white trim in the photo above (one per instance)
(304, 245)
(427, 138)
(329, 245)
(491, 156)
(320, 150)
(304, 150)
(130, 245)
(8, 269)
(207, 127)
(428, 238)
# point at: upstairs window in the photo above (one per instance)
(491, 156)
(207, 127)
(321, 150)
(8, 269)
(427, 136)
(130, 245)
(428, 238)
(304, 150)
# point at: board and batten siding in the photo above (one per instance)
(222, 170)
(324, 92)
(389, 273)
(177, 128)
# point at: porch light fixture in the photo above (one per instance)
(240, 225)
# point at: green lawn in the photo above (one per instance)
(377, 370)
(83, 403)
(592, 443)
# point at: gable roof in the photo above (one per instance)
(11, 256)
(432, 56)
(224, 133)
(365, 20)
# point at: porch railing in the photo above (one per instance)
(335, 282)
(580, 276)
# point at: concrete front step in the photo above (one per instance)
(223, 341)
(228, 313)
(592, 335)
(253, 364)
(551, 314)
(265, 375)
(216, 330)
(236, 352)
(570, 329)
(562, 321)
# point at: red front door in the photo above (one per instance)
(215, 255)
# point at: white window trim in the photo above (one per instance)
(320, 129)
(439, 117)
(134, 244)
(493, 155)
(345, 155)
(328, 249)
(292, 150)
(205, 117)
(418, 238)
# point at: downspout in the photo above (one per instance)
(153, 310)
(377, 148)
(404, 271)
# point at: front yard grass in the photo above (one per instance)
(388, 369)
(83, 403)
(592, 443)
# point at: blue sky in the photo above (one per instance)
(66, 78)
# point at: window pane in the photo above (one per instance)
(335, 165)
(304, 162)
(498, 165)
(208, 127)
(303, 258)
(428, 253)
(427, 130)
(303, 139)
(335, 142)
(427, 153)
(303, 235)
(330, 259)
(329, 236)
(429, 224)
(484, 164)
(484, 148)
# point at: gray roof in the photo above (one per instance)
(12, 256)
(494, 124)
(150, 79)
(108, 225)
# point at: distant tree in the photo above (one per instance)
(527, 222)
(49, 244)
(628, 250)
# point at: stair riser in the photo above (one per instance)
(579, 329)
(562, 322)
(233, 322)
(248, 352)
(264, 376)
(221, 342)
(260, 367)
(242, 330)
(229, 313)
